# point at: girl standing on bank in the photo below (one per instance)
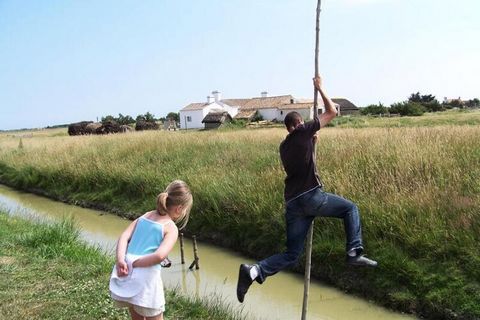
(136, 280)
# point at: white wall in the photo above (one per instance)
(307, 113)
(269, 114)
(196, 117)
(232, 111)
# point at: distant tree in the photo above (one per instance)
(374, 109)
(473, 103)
(124, 119)
(146, 117)
(429, 101)
(417, 97)
(174, 116)
(149, 117)
(108, 118)
(408, 108)
(434, 106)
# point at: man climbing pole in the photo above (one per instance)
(305, 199)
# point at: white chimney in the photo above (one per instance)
(264, 94)
(210, 99)
(217, 95)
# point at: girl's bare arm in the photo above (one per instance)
(122, 242)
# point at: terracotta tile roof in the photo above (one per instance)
(291, 106)
(245, 114)
(280, 102)
(303, 100)
(235, 102)
(194, 106)
(267, 102)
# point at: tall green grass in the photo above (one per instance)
(450, 117)
(417, 189)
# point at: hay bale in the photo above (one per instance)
(108, 127)
(146, 125)
(78, 128)
(92, 127)
(124, 128)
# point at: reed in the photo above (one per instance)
(418, 190)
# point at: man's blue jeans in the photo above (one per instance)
(299, 214)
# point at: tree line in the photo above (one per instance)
(147, 117)
(417, 104)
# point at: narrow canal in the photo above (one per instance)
(279, 298)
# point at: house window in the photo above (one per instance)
(189, 119)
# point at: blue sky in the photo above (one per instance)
(67, 61)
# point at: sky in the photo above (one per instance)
(68, 61)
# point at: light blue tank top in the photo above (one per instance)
(146, 238)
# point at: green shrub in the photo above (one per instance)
(408, 109)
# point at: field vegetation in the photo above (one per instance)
(415, 180)
(47, 273)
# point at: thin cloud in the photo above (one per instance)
(364, 2)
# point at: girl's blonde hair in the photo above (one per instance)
(176, 193)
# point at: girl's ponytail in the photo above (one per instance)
(177, 193)
(162, 203)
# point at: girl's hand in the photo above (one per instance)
(122, 269)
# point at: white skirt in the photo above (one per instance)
(142, 287)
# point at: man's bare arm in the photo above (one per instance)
(330, 110)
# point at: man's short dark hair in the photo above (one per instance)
(291, 119)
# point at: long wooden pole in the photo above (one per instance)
(308, 253)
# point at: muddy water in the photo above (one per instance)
(278, 298)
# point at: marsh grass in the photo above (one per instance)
(47, 273)
(450, 117)
(417, 187)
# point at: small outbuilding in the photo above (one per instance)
(215, 119)
(346, 107)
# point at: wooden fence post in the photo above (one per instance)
(182, 256)
(195, 255)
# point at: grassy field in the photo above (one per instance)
(47, 273)
(451, 117)
(417, 187)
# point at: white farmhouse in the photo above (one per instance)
(269, 108)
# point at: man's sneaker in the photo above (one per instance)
(361, 260)
(244, 281)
